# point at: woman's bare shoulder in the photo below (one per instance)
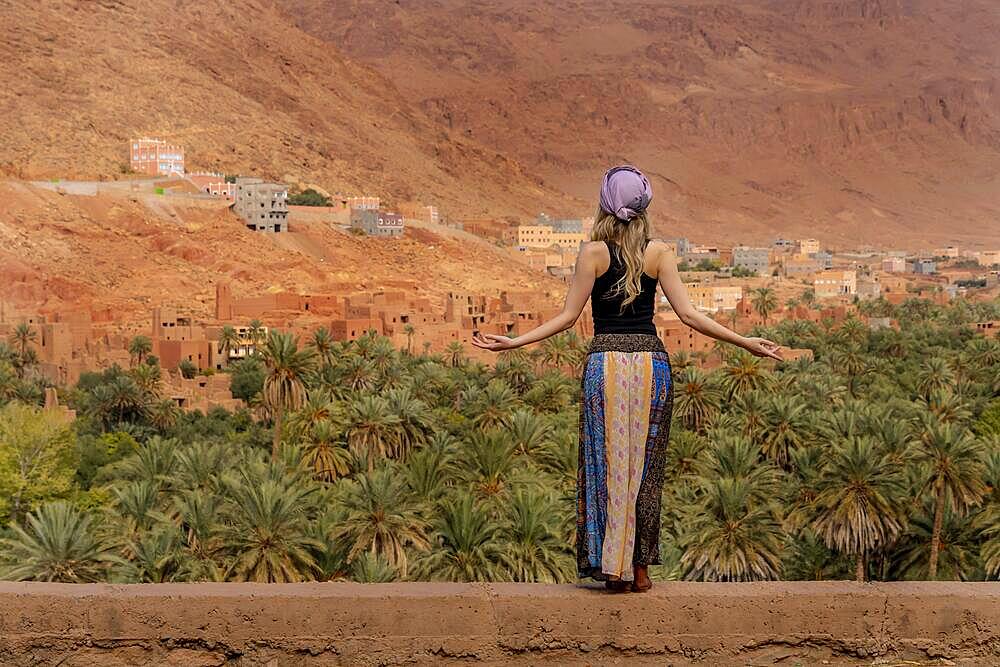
(658, 250)
(593, 249)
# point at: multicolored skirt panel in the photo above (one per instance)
(624, 427)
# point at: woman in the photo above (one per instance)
(627, 388)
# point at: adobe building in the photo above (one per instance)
(990, 329)
(156, 157)
(263, 206)
(203, 392)
(176, 337)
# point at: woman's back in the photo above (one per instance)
(606, 301)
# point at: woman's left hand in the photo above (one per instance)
(762, 347)
(493, 342)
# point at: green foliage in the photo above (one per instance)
(58, 544)
(308, 197)
(880, 459)
(97, 451)
(37, 458)
(187, 368)
(989, 420)
(247, 378)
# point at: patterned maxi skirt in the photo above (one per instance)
(624, 427)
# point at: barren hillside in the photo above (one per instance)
(855, 120)
(131, 252)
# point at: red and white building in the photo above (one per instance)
(156, 157)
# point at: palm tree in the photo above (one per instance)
(811, 560)
(430, 469)
(990, 549)
(198, 465)
(455, 351)
(21, 337)
(323, 453)
(696, 399)
(409, 330)
(322, 344)
(935, 375)
(155, 556)
(468, 548)
(946, 406)
(359, 373)
(488, 462)
(372, 428)
(414, 421)
(156, 461)
(517, 371)
(229, 340)
(148, 379)
(743, 373)
(379, 518)
(731, 536)
(196, 512)
(556, 352)
(552, 393)
(957, 546)
(809, 296)
(284, 384)
(764, 301)
(255, 332)
(535, 549)
(858, 501)
(58, 544)
(853, 330)
(529, 433)
(493, 405)
(954, 474)
(266, 532)
(853, 363)
(369, 568)
(138, 348)
(382, 355)
(785, 428)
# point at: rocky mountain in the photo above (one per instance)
(853, 120)
(856, 121)
(242, 88)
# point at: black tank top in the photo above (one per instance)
(637, 317)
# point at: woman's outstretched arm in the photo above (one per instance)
(576, 299)
(670, 282)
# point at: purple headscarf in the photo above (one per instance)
(625, 192)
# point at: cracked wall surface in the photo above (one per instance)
(677, 623)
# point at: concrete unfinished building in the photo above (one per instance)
(262, 205)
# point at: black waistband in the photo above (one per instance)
(616, 342)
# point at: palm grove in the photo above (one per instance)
(879, 459)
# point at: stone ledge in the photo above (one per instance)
(677, 623)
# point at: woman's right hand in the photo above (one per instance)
(493, 342)
(762, 347)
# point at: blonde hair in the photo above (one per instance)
(629, 240)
